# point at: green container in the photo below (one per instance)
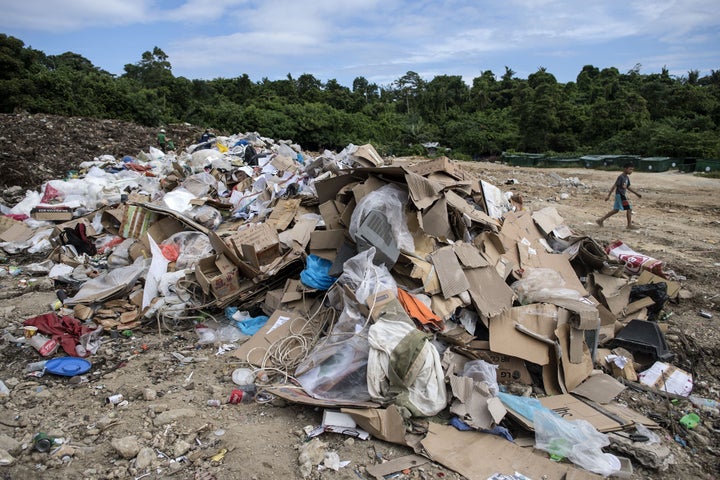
(706, 165)
(654, 164)
(562, 162)
(687, 164)
(595, 161)
(523, 159)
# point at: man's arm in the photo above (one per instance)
(633, 191)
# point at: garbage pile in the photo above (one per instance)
(387, 294)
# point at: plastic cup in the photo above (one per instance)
(30, 331)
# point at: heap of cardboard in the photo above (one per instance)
(394, 293)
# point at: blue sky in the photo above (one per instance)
(378, 39)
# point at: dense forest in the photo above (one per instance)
(603, 111)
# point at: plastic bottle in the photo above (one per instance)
(36, 366)
(706, 404)
(44, 345)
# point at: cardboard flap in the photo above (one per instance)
(423, 192)
(435, 221)
(450, 273)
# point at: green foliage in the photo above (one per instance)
(603, 111)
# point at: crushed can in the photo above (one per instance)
(241, 396)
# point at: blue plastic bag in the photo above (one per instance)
(316, 271)
(250, 326)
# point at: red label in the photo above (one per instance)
(48, 348)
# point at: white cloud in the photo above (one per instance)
(57, 16)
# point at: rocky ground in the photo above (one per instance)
(167, 429)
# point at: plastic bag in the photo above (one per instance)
(206, 335)
(230, 334)
(206, 216)
(192, 245)
(542, 285)
(482, 372)
(576, 440)
(336, 369)
(389, 200)
(315, 274)
(364, 277)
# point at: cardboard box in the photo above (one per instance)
(55, 214)
(257, 244)
(218, 276)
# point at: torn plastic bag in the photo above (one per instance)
(365, 278)
(192, 246)
(179, 200)
(315, 274)
(336, 368)
(404, 367)
(109, 285)
(389, 200)
(482, 372)
(200, 184)
(576, 440)
(206, 216)
(539, 285)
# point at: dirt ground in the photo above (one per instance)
(179, 435)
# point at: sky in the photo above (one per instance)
(380, 40)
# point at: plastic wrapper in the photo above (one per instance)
(482, 372)
(206, 335)
(336, 369)
(179, 200)
(200, 184)
(389, 200)
(576, 440)
(192, 247)
(542, 285)
(206, 216)
(230, 334)
(109, 285)
(366, 278)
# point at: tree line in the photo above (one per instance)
(603, 112)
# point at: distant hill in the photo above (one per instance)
(38, 148)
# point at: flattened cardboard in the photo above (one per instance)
(477, 456)
(573, 374)
(442, 164)
(489, 293)
(474, 403)
(371, 184)
(600, 388)
(613, 292)
(673, 288)
(330, 212)
(510, 369)
(572, 408)
(469, 255)
(327, 239)
(435, 221)
(456, 201)
(12, 230)
(548, 219)
(381, 470)
(367, 156)
(449, 271)
(299, 235)
(258, 244)
(298, 395)
(423, 192)
(386, 424)
(280, 325)
(540, 318)
(283, 213)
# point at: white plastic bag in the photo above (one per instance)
(365, 278)
(542, 285)
(389, 200)
(482, 372)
